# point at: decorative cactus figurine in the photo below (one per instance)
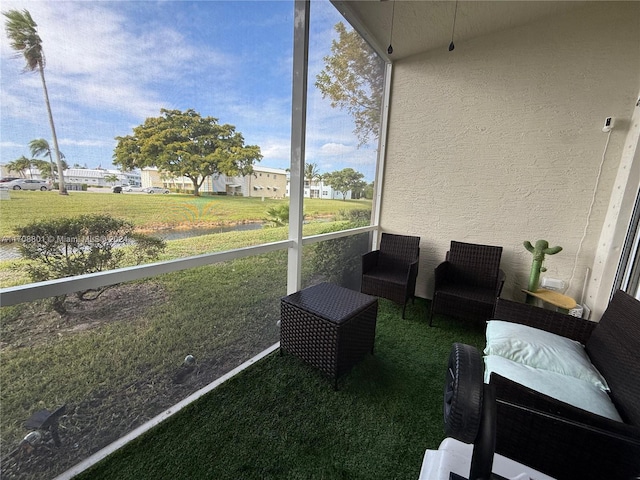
(539, 251)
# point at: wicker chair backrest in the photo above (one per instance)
(614, 349)
(398, 251)
(473, 264)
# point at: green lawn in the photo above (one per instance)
(281, 419)
(116, 363)
(147, 211)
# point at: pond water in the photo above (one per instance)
(9, 251)
(169, 234)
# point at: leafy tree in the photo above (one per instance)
(19, 165)
(40, 147)
(358, 190)
(345, 180)
(186, 144)
(23, 34)
(368, 191)
(353, 79)
(65, 247)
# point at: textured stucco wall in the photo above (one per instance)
(500, 140)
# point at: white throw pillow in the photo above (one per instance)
(571, 390)
(540, 349)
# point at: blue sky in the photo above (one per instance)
(112, 64)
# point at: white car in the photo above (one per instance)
(27, 184)
(155, 190)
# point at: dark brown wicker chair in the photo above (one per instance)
(559, 439)
(468, 282)
(391, 271)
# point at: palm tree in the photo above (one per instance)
(22, 31)
(44, 167)
(311, 172)
(19, 165)
(111, 178)
(40, 147)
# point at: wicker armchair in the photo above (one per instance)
(562, 440)
(469, 282)
(391, 271)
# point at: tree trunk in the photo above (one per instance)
(196, 187)
(53, 173)
(61, 186)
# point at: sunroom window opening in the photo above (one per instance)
(337, 261)
(130, 353)
(210, 79)
(342, 140)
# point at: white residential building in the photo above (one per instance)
(263, 182)
(98, 177)
(317, 189)
(76, 177)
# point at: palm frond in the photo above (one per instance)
(23, 34)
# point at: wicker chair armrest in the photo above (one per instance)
(513, 392)
(561, 440)
(441, 273)
(412, 275)
(501, 278)
(555, 322)
(370, 260)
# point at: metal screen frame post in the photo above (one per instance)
(298, 140)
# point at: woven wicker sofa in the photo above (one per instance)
(558, 438)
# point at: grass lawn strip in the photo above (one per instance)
(116, 362)
(282, 419)
(153, 212)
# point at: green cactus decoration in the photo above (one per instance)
(539, 251)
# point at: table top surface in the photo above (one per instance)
(329, 301)
(554, 298)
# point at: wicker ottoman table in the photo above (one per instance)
(329, 327)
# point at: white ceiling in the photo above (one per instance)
(422, 25)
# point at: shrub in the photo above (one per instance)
(339, 260)
(358, 217)
(65, 247)
(278, 216)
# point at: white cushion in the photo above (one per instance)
(540, 349)
(571, 390)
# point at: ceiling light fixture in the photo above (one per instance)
(453, 29)
(393, 13)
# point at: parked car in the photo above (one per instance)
(155, 190)
(28, 184)
(131, 188)
(8, 179)
(117, 189)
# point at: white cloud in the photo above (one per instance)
(96, 58)
(84, 143)
(11, 145)
(331, 149)
(275, 150)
